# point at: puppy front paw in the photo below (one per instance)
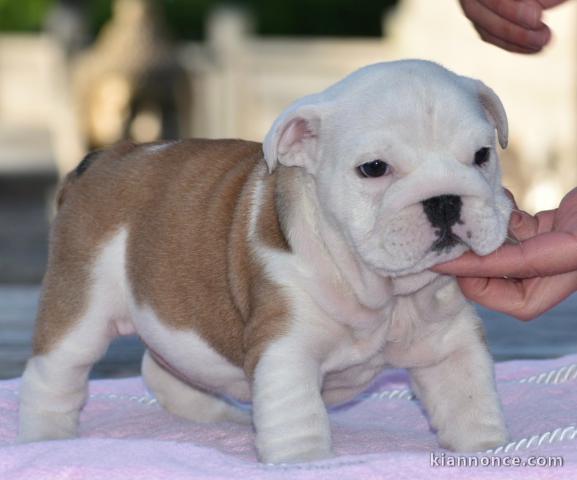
(475, 437)
(42, 426)
(296, 451)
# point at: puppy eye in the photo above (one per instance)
(482, 156)
(376, 168)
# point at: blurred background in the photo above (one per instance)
(79, 75)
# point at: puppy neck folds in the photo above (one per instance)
(340, 283)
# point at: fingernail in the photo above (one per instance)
(539, 38)
(516, 219)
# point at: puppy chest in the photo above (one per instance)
(405, 336)
(353, 363)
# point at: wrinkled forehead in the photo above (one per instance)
(413, 109)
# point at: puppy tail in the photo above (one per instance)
(118, 151)
(70, 179)
(64, 187)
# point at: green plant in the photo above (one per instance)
(23, 15)
(186, 18)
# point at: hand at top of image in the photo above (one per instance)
(514, 25)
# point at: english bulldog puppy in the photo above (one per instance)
(289, 273)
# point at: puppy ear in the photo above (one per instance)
(293, 137)
(493, 108)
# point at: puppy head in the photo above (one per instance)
(404, 162)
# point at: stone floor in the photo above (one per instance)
(553, 335)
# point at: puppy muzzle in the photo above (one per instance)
(443, 212)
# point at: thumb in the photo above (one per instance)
(522, 226)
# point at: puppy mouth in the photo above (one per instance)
(445, 241)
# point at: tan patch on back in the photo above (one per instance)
(186, 207)
(179, 238)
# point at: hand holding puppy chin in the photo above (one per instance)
(529, 278)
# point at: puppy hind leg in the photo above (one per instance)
(55, 383)
(184, 400)
(80, 313)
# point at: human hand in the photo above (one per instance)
(529, 278)
(514, 25)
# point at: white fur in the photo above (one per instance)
(434, 332)
(160, 147)
(356, 280)
(255, 204)
(360, 294)
(426, 123)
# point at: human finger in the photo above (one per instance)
(498, 264)
(505, 45)
(508, 33)
(522, 225)
(540, 256)
(525, 299)
(546, 220)
(503, 295)
(542, 294)
(524, 13)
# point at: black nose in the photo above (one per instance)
(443, 211)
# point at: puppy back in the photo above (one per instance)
(177, 201)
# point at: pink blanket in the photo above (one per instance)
(383, 435)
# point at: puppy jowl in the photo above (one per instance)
(288, 273)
